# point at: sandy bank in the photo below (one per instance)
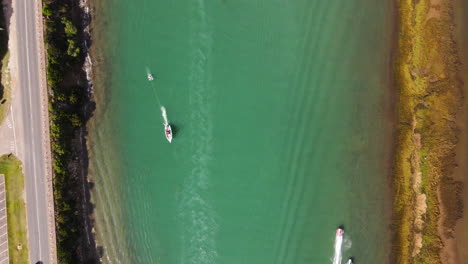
(427, 196)
(459, 242)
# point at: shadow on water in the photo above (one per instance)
(176, 128)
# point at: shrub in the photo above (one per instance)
(75, 120)
(54, 74)
(73, 99)
(67, 99)
(72, 50)
(50, 26)
(70, 29)
(46, 11)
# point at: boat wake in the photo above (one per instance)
(338, 244)
(198, 215)
(164, 115)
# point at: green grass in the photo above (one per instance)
(11, 167)
(5, 83)
(4, 77)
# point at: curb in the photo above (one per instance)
(46, 134)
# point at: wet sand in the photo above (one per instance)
(458, 245)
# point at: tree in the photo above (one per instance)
(70, 29)
(72, 50)
(55, 76)
(73, 99)
(46, 11)
(75, 120)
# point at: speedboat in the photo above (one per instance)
(150, 77)
(168, 132)
(338, 244)
(339, 232)
(350, 261)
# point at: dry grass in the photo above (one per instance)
(429, 99)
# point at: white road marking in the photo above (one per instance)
(14, 129)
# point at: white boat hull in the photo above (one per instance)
(168, 132)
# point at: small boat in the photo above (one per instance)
(350, 261)
(150, 77)
(339, 232)
(168, 132)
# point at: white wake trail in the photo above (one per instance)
(338, 244)
(164, 115)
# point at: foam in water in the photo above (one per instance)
(347, 243)
(198, 216)
(338, 243)
(164, 115)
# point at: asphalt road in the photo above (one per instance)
(35, 173)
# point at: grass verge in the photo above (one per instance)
(6, 97)
(11, 167)
(5, 76)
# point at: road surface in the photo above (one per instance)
(32, 115)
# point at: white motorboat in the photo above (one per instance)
(338, 244)
(150, 77)
(339, 232)
(350, 261)
(168, 132)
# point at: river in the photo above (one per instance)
(281, 131)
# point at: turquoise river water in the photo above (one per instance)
(278, 108)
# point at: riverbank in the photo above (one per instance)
(460, 239)
(427, 197)
(70, 107)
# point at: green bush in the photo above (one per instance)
(50, 26)
(46, 11)
(54, 75)
(65, 107)
(73, 99)
(70, 29)
(73, 50)
(75, 120)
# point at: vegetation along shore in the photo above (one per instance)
(70, 107)
(427, 198)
